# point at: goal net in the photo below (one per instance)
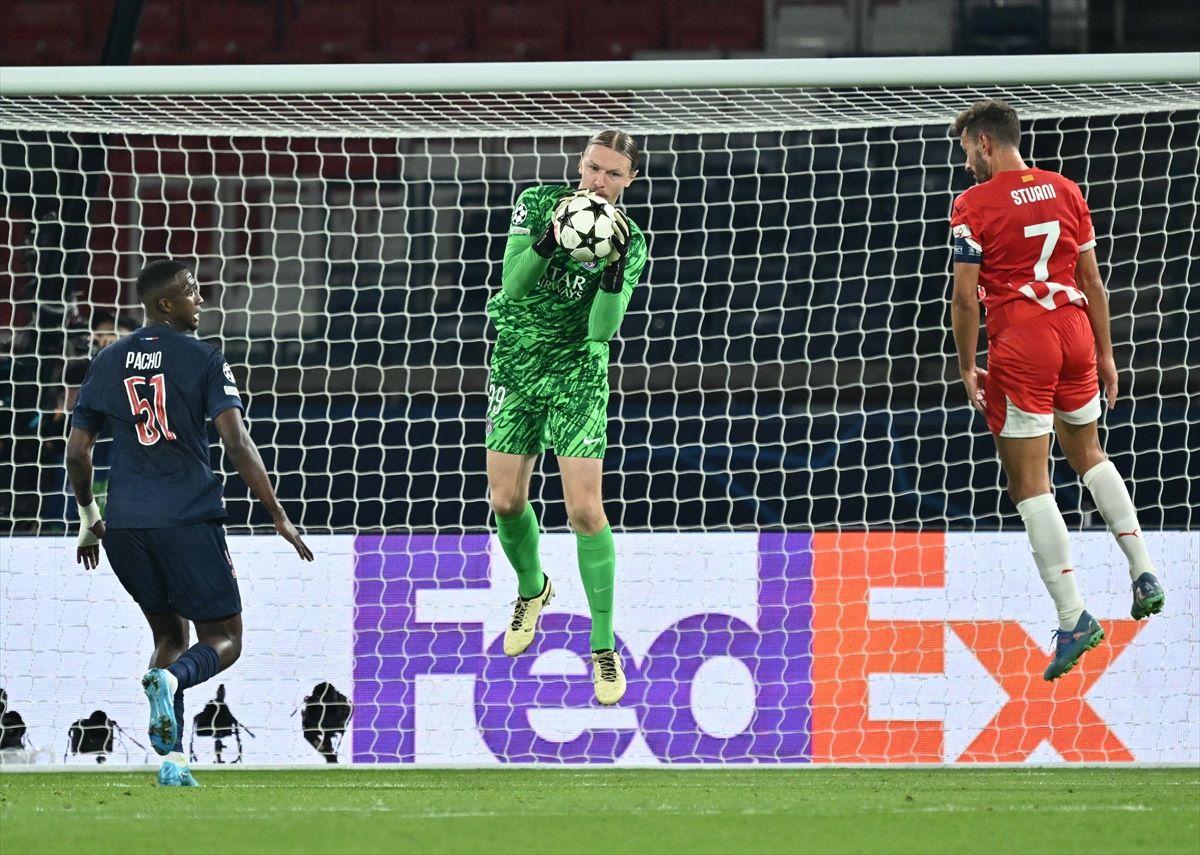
(816, 561)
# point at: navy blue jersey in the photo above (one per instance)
(155, 388)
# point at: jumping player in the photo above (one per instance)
(164, 536)
(548, 387)
(1024, 244)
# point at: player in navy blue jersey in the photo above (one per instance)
(164, 536)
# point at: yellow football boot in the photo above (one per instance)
(519, 634)
(608, 676)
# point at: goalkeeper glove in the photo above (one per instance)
(612, 279)
(548, 241)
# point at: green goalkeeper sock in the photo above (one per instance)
(519, 538)
(598, 569)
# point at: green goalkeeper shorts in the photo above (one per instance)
(541, 398)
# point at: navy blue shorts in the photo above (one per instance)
(184, 569)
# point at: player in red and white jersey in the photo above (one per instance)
(1024, 244)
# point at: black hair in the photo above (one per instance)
(157, 276)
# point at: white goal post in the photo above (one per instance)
(816, 559)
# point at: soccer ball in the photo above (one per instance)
(586, 225)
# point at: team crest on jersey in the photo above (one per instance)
(229, 374)
(519, 214)
(589, 265)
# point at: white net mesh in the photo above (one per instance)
(786, 363)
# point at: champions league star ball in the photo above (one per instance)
(586, 225)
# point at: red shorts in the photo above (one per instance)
(1042, 368)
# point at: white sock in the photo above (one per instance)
(1047, 532)
(177, 757)
(1112, 500)
(172, 681)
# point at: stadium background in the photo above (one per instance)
(846, 288)
(364, 360)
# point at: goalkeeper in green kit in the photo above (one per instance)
(548, 388)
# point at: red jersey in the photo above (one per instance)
(1025, 229)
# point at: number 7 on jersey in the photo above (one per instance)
(1051, 229)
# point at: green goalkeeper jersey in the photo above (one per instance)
(557, 302)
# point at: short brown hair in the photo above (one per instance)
(992, 117)
(620, 142)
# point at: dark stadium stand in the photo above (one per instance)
(52, 32)
(328, 30)
(835, 245)
(180, 32)
(229, 31)
(522, 29)
(160, 35)
(798, 295)
(642, 27)
(713, 25)
(424, 30)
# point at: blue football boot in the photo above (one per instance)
(163, 730)
(1069, 646)
(1148, 597)
(172, 774)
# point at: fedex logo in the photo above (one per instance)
(724, 682)
(770, 648)
(922, 652)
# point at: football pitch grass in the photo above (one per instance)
(607, 810)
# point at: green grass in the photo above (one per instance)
(543, 811)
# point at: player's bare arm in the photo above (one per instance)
(964, 314)
(245, 458)
(1087, 274)
(79, 470)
